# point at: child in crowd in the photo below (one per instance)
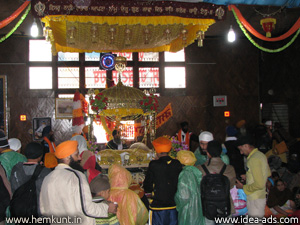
(131, 210)
(100, 187)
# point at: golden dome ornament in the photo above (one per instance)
(123, 102)
(120, 63)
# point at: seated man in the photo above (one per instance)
(116, 142)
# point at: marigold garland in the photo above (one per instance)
(260, 47)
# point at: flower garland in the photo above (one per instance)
(149, 103)
(99, 103)
(177, 146)
(17, 25)
(257, 45)
(245, 24)
(93, 147)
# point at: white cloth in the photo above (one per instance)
(67, 193)
(285, 207)
(256, 208)
(14, 144)
(230, 139)
(206, 136)
(120, 146)
(82, 146)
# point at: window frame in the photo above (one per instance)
(82, 64)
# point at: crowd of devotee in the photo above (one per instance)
(251, 174)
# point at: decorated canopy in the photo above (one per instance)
(124, 26)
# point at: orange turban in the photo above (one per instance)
(50, 160)
(240, 123)
(162, 144)
(66, 149)
(85, 129)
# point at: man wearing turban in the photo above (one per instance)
(201, 151)
(66, 192)
(162, 179)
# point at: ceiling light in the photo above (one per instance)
(231, 35)
(34, 31)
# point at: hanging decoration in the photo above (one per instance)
(84, 104)
(200, 38)
(149, 103)
(260, 47)
(163, 116)
(268, 24)
(243, 21)
(17, 25)
(77, 121)
(98, 103)
(125, 26)
(13, 16)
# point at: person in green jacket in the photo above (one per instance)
(188, 196)
(201, 151)
(8, 157)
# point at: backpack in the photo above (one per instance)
(5, 199)
(215, 194)
(24, 200)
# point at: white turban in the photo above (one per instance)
(14, 144)
(206, 136)
(268, 123)
(82, 146)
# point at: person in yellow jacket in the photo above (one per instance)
(257, 173)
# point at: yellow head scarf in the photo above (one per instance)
(186, 158)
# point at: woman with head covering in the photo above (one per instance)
(188, 196)
(88, 158)
(131, 210)
(280, 199)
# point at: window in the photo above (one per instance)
(175, 77)
(127, 55)
(148, 56)
(126, 77)
(68, 77)
(81, 70)
(40, 78)
(94, 77)
(94, 56)
(39, 50)
(175, 57)
(149, 77)
(68, 56)
(127, 129)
